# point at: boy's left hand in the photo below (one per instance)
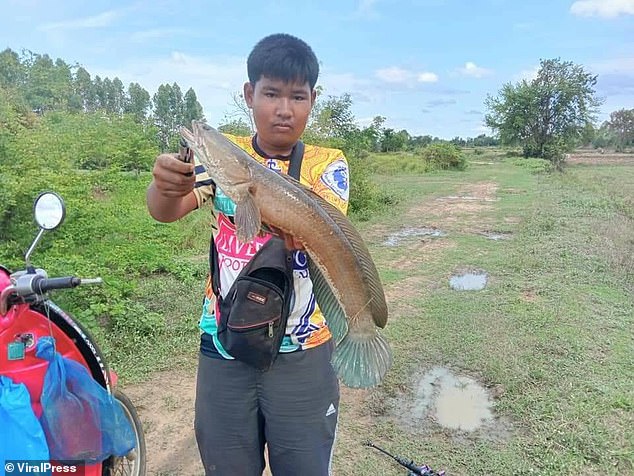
(290, 241)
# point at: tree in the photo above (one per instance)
(391, 141)
(621, 127)
(100, 94)
(115, 96)
(333, 118)
(168, 114)
(11, 69)
(240, 113)
(137, 102)
(193, 110)
(85, 89)
(237, 127)
(547, 115)
(39, 92)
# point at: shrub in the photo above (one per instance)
(444, 156)
(366, 197)
(534, 165)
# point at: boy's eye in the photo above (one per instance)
(300, 98)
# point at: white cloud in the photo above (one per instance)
(602, 8)
(527, 74)
(472, 69)
(366, 9)
(427, 77)
(102, 20)
(396, 75)
(336, 84)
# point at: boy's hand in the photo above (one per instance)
(173, 177)
(290, 241)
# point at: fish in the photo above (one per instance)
(345, 279)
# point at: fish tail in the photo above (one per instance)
(362, 361)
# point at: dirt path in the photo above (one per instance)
(165, 404)
(166, 401)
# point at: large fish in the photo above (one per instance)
(345, 280)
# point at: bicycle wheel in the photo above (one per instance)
(132, 464)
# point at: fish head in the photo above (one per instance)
(226, 163)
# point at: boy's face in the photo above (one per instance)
(280, 110)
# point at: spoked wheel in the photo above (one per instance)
(132, 464)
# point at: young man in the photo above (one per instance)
(293, 407)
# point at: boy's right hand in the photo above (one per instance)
(172, 176)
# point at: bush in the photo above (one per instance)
(534, 165)
(444, 156)
(514, 153)
(366, 198)
(395, 163)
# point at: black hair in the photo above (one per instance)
(285, 57)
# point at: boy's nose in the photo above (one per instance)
(284, 108)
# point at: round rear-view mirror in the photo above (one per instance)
(49, 210)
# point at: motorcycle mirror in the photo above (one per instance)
(49, 210)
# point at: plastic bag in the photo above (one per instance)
(81, 420)
(21, 437)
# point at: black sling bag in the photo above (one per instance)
(254, 312)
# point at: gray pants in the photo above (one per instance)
(293, 408)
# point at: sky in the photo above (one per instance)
(427, 66)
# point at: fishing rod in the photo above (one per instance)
(409, 464)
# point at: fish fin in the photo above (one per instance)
(377, 303)
(361, 361)
(247, 218)
(328, 302)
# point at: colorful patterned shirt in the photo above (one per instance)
(325, 171)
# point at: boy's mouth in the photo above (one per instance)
(282, 126)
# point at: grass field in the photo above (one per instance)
(550, 339)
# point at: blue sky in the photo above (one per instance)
(426, 65)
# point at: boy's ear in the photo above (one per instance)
(248, 93)
(313, 97)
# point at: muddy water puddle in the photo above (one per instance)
(396, 238)
(453, 401)
(469, 281)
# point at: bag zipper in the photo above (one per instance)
(255, 326)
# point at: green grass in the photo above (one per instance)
(552, 332)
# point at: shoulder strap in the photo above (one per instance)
(294, 170)
(295, 162)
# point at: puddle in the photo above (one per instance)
(395, 238)
(469, 282)
(495, 236)
(455, 402)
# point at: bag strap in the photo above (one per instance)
(294, 170)
(295, 162)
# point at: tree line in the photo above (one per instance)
(332, 122)
(33, 82)
(546, 116)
